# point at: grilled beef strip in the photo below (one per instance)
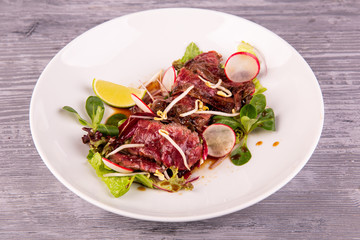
(208, 66)
(187, 78)
(194, 121)
(160, 149)
(136, 162)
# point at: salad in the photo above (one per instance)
(200, 107)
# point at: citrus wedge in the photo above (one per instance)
(116, 95)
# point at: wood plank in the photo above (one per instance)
(321, 202)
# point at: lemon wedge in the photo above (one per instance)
(116, 95)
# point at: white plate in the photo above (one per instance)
(134, 47)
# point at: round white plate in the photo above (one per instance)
(134, 47)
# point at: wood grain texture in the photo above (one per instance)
(321, 202)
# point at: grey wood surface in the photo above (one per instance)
(321, 202)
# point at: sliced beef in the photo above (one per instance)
(187, 78)
(208, 66)
(160, 149)
(136, 162)
(242, 94)
(193, 121)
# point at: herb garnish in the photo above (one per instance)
(252, 115)
(95, 109)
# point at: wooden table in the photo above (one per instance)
(321, 202)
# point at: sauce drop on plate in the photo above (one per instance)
(275, 144)
(141, 188)
(124, 111)
(259, 143)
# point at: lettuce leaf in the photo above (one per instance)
(192, 50)
(118, 186)
(144, 180)
(258, 87)
(245, 47)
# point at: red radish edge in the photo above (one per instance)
(230, 149)
(205, 148)
(246, 54)
(116, 167)
(141, 104)
(169, 78)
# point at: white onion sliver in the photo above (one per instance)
(191, 111)
(218, 113)
(178, 98)
(163, 88)
(153, 78)
(217, 86)
(123, 147)
(147, 91)
(123, 174)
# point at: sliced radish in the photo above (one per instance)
(116, 167)
(242, 67)
(220, 139)
(205, 148)
(169, 78)
(117, 174)
(141, 104)
(263, 66)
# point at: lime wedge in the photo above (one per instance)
(116, 95)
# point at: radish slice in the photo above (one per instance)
(242, 67)
(141, 104)
(263, 66)
(116, 167)
(220, 139)
(205, 149)
(116, 174)
(169, 78)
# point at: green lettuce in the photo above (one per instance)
(192, 50)
(118, 186)
(258, 87)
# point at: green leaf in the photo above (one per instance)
(121, 122)
(81, 120)
(258, 87)
(98, 116)
(266, 120)
(118, 186)
(247, 123)
(259, 102)
(240, 155)
(108, 129)
(175, 183)
(239, 135)
(249, 111)
(144, 180)
(231, 122)
(95, 109)
(115, 119)
(245, 47)
(192, 50)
